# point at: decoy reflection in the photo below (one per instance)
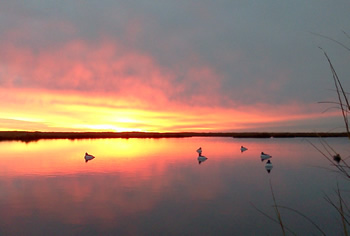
(88, 157)
(268, 166)
(201, 159)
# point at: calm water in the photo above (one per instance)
(157, 187)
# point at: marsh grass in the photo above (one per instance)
(278, 217)
(278, 214)
(337, 162)
(341, 207)
(340, 164)
(343, 101)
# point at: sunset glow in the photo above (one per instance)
(61, 73)
(127, 156)
(84, 112)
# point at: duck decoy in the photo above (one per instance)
(268, 166)
(265, 156)
(88, 157)
(199, 150)
(243, 149)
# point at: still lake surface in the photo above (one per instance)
(157, 187)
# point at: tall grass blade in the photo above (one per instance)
(276, 210)
(340, 209)
(307, 218)
(272, 219)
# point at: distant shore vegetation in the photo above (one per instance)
(28, 136)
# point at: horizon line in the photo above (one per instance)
(28, 136)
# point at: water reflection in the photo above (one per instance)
(88, 157)
(154, 187)
(201, 159)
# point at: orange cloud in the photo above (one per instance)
(80, 86)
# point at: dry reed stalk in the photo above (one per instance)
(277, 211)
(340, 209)
(343, 100)
(307, 218)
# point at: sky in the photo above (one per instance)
(172, 66)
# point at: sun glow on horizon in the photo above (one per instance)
(108, 128)
(107, 87)
(72, 111)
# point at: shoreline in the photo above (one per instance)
(28, 136)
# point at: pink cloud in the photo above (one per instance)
(108, 77)
(106, 67)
